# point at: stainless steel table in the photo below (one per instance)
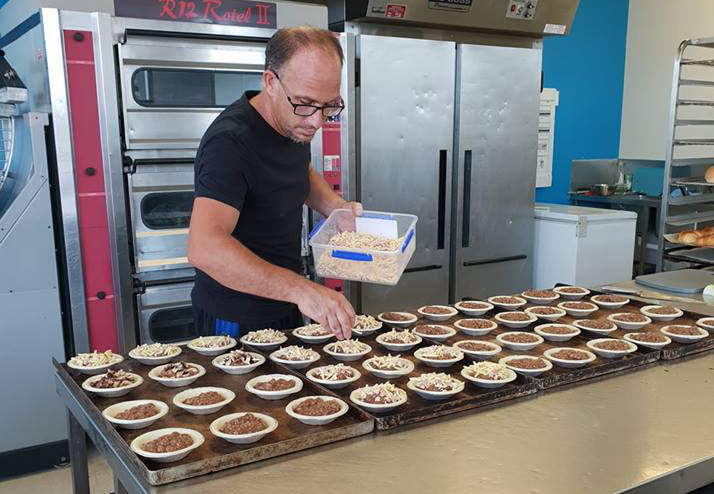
(647, 431)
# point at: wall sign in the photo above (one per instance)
(228, 12)
(451, 5)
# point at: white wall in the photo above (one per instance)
(655, 30)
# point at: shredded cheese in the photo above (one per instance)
(265, 336)
(348, 347)
(296, 353)
(433, 381)
(212, 341)
(488, 370)
(439, 352)
(155, 350)
(338, 372)
(95, 359)
(380, 394)
(388, 362)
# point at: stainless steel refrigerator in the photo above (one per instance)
(442, 122)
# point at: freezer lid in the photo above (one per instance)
(575, 214)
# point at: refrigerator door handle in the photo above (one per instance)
(466, 213)
(441, 226)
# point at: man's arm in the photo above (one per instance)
(213, 250)
(324, 200)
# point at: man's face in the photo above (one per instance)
(310, 77)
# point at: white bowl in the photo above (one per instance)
(569, 364)
(526, 372)
(333, 384)
(609, 305)
(399, 324)
(110, 412)
(578, 312)
(320, 420)
(437, 395)
(155, 360)
(629, 326)
(388, 374)
(679, 338)
(488, 383)
(294, 364)
(546, 317)
(312, 340)
(266, 347)
(601, 352)
(213, 350)
(239, 369)
(438, 317)
(706, 323)
(571, 296)
(473, 312)
(474, 331)
(515, 324)
(172, 382)
(346, 357)
(601, 332)
(479, 355)
(367, 332)
(521, 302)
(112, 392)
(540, 300)
(524, 347)
(542, 330)
(438, 363)
(435, 337)
(198, 440)
(660, 317)
(253, 437)
(378, 408)
(273, 395)
(647, 344)
(398, 347)
(97, 369)
(228, 396)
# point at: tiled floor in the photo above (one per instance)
(58, 481)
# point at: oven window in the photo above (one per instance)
(182, 88)
(172, 325)
(165, 210)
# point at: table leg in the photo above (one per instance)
(645, 212)
(78, 456)
(118, 487)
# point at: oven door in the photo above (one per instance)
(165, 314)
(161, 203)
(173, 88)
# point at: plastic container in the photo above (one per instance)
(357, 264)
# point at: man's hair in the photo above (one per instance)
(288, 41)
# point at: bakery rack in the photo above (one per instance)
(687, 199)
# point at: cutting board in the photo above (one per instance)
(683, 281)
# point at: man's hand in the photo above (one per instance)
(346, 223)
(328, 307)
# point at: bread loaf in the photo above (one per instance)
(689, 236)
(706, 241)
(709, 175)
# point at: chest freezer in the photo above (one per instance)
(582, 246)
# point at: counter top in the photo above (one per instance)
(600, 437)
(629, 199)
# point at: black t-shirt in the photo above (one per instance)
(243, 162)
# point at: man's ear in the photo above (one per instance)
(270, 82)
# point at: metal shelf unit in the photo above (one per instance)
(690, 149)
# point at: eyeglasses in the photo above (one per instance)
(328, 111)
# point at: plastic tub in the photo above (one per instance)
(358, 264)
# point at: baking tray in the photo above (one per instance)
(417, 409)
(672, 351)
(215, 454)
(557, 376)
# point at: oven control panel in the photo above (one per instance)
(521, 9)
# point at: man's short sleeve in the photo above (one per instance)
(219, 171)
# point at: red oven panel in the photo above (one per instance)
(332, 171)
(91, 194)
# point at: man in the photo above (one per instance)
(252, 177)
